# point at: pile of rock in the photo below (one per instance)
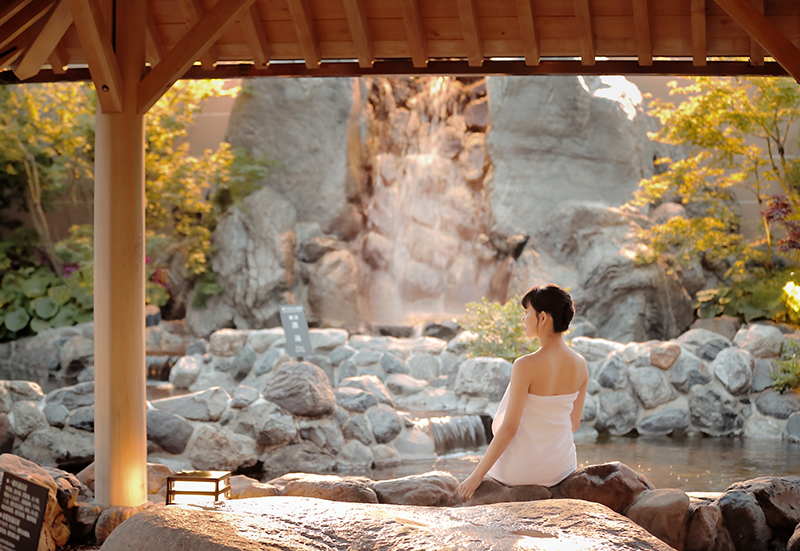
(249, 406)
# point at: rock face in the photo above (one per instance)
(299, 523)
(546, 132)
(255, 264)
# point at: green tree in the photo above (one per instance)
(738, 130)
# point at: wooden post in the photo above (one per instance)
(120, 401)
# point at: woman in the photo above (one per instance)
(542, 405)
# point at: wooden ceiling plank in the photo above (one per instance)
(765, 33)
(357, 20)
(415, 32)
(699, 37)
(301, 17)
(194, 11)
(58, 59)
(57, 22)
(10, 8)
(756, 51)
(95, 41)
(183, 54)
(22, 20)
(155, 46)
(585, 31)
(470, 29)
(256, 36)
(527, 30)
(641, 22)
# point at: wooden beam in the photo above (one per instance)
(527, 31)
(583, 18)
(641, 22)
(95, 39)
(155, 46)
(8, 57)
(255, 36)
(183, 54)
(415, 32)
(468, 14)
(765, 33)
(756, 51)
(22, 20)
(58, 60)
(357, 20)
(57, 22)
(455, 68)
(301, 16)
(10, 8)
(194, 11)
(699, 40)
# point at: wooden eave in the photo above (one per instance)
(365, 37)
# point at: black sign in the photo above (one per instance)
(295, 328)
(22, 505)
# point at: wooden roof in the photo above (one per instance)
(48, 40)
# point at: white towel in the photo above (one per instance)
(542, 451)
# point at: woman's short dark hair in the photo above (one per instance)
(555, 301)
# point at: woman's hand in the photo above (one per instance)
(469, 486)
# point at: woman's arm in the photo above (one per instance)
(577, 407)
(517, 393)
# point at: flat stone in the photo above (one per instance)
(664, 355)
(703, 343)
(492, 491)
(72, 397)
(778, 405)
(371, 384)
(58, 448)
(664, 421)
(433, 489)
(727, 326)
(243, 487)
(302, 457)
(594, 349)
(205, 405)
(330, 487)
(355, 399)
(296, 523)
(404, 385)
(227, 342)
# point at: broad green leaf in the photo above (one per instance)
(35, 286)
(60, 294)
(66, 316)
(39, 325)
(45, 307)
(17, 320)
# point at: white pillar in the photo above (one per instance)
(120, 401)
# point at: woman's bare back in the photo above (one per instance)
(554, 371)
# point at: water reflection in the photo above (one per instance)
(691, 464)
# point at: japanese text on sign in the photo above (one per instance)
(22, 505)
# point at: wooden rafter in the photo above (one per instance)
(699, 41)
(641, 22)
(10, 8)
(583, 18)
(255, 36)
(468, 14)
(194, 11)
(96, 43)
(357, 20)
(765, 33)
(301, 17)
(527, 30)
(56, 23)
(155, 46)
(22, 20)
(415, 32)
(58, 60)
(183, 54)
(756, 51)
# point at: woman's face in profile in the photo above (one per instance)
(530, 320)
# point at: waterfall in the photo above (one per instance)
(426, 249)
(452, 433)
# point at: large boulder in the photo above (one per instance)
(300, 388)
(651, 386)
(617, 412)
(714, 411)
(483, 377)
(68, 448)
(330, 487)
(435, 488)
(217, 448)
(266, 423)
(663, 513)
(734, 368)
(745, 520)
(254, 264)
(304, 457)
(205, 405)
(295, 523)
(762, 341)
(167, 430)
(333, 292)
(614, 484)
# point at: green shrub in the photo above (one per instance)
(787, 376)
(756, 294)
(499, 330)
(34, 299)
